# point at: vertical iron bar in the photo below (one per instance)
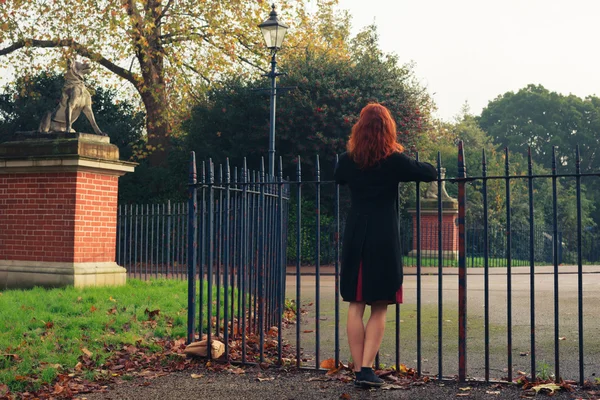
(508, 266)
(192, 206)
(261, 262)
(418, 203)
(210, 261)
(130, 233)
(169, 260)
(298, 258)
(135, 240)
(147, 230)
(202, 250)
(579, 266)
(219, 245)
(486, 269)
(555, 257)
(462, 266)
(280, 267)
(226, 272)
(244, 255)
(120, 235)
(531, 262)
(152, 233)
(337, 270)
(440, 270)
(235, 271)
(317, 264)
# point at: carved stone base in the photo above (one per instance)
(28, 274)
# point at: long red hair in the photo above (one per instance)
(373, 137)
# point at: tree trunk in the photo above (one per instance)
(157, 126)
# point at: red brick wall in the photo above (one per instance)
(429, 232)
(58, 217)
(95, 217)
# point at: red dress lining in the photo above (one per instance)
(359, 296)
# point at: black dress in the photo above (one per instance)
(371, 242)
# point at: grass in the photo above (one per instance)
(472, 262)
(45, 331)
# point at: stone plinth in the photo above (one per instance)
(430, 228)
(58, 210)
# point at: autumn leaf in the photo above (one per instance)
(112, 311)
(111, 299)
(328, 364)
(86, 352)
(151, 314)
(196, 376)
(267, 378)
(551, 387)
(93, 309)
(345, 396)
(49, 325)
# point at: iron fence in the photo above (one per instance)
(239, 239)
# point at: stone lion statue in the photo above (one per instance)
(75, 99)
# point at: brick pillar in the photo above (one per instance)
(58, 210)
(430, 228)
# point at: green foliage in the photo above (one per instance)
(316, 117)
(308, 234)
(24, 103)
(536, 117)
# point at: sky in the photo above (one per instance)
(475, 50)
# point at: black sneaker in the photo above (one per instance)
(357, 376)
(368, 378)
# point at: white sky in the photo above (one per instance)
(475, 50)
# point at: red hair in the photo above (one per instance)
(373, 137)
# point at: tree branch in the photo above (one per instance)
(164, 11)
(79, 49)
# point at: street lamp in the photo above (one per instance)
(273, 31)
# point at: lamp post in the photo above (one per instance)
(273, 31)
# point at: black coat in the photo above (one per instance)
(371, 234)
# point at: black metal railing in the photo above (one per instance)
(245, 229)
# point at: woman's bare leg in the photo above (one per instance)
(356, 332)
(373, 334)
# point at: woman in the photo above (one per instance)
(371, 256)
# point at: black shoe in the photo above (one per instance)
(357, 376)
(368, 378)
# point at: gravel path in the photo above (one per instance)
(296, 385)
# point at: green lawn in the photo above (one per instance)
(472, 262)
(45, 331)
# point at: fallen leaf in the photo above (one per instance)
(307, 331)
(93, 309)
(318, 378)
(345, 396)
(394, 387)
(79, 299)
(79, 366)
(237, 371)
(262, 379)
(111, 299)
(492, 391)
(562, 338)
(112, 311)
(196, 376)
(86, 352)
(49, 325)
(521, 373)
(524, 354)
(151, 314)
(464, 389)
(3, 388)
(462, 394)
(551, 387)
(328, 364)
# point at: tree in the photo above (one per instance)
(536, 117)
(169, 51)
(317, 116)
(24, 103)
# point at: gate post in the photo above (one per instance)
(462, 266)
